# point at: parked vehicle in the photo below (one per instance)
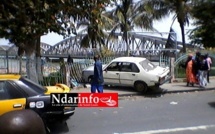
(137, 72)
(18, 93)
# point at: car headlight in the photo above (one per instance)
(32, 104)
(38, 104)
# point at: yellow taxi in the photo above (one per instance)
(17, 92)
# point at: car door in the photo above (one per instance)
(111, 73)
(128, 74)
(10, 98)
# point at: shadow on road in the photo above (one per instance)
(212, 104)
(58, 127)
(155, 92)
(129, 91)
(120, 88)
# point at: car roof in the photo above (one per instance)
(129, 59)
(9, 76)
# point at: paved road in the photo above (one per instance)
(179, 113)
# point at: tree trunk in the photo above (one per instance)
(30, 48)
(30, 67)
(125, 37)
(39, 68)
(20, 64)
(127, 45)
(38, 61)
(183, 37)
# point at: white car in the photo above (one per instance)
(137, 72)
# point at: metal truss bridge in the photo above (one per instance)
(139, 44)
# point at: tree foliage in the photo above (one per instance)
(127, 15)
(180, 8)
(204, 13)
(94, 24)
(23, 22)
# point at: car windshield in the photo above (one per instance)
(147, 65)
(34, 86)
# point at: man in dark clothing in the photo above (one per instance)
(69, 60)
(197, 63)
(98, 80)
(209, 62)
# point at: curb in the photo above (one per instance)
(179, 80)
(191, 90)
(162, 91)
(166, 91)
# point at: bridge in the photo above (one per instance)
(143, 44)
(155, 48)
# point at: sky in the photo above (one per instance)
(161, 25)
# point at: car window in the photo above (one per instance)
(30, 91)
(31, 87)
(147, 65)
(129, 67)
(8, 91)
(134, 68)
(114, 66)
(126, 67)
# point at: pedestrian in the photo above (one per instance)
(203, 72)
(98, 80)
(190, 72)
(197, 64)
(69, 60)
(209, 61)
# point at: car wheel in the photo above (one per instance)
(140, 86)
(90, 78)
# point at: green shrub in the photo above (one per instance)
(52, 79)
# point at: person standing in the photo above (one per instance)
(98, 80)
(190, 74)
(197, 64)
(69, 60)
(209, 61)
(203, 72)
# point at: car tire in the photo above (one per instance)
(140, 86)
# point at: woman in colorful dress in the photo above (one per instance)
(190, 73)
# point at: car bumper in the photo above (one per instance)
(163, 80)
(66, 111)
(59, 115)
(69, 111)
(53, 113)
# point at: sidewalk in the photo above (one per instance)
(174, 87)
(181, 87)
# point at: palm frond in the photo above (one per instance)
(107, 22)
(82, 23)
(85, 41)
(112, 34)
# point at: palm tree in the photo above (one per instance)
(180, 8)
(127, 17)
(92, 25)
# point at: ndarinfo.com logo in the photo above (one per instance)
(84, 99)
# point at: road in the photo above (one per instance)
(178, 113)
